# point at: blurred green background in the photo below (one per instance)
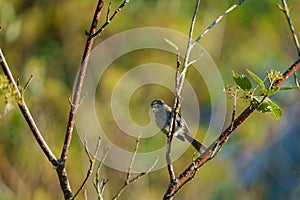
(47, 39)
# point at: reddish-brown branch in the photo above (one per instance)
(109, 19)
(190, 172)
(290, 71)
(80, 79)
(61, 170)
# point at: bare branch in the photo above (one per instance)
(217, 21)
(85, 195)
(92, 159)
(196, 60)
(189, 48)
(100, 185)
(61, 170)
(109, 19)
(28, 82)
(82, 70)
(285, 9)
(128, 180)
(26, 113)
(79, 81)
(108, 10)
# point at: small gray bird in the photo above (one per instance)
(163, 114)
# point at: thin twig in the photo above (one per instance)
(285, 9)
(109, 19)
(92, 159)
(196, 60)
(189, 48)
(28, 82)
(100, 185)
(85, 195)
(136, 178)
(217, 21)
(26, 113)
(128, 180)
(108, 10)
(234, 109)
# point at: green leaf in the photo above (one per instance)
(264, 107)
(267, 106)
(289, 88)
(242, 81)
(271, 91)
(256, 79)
(277, 112)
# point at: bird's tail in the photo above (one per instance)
(201, 148)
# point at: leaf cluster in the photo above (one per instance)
(7, 90)
(259, 94)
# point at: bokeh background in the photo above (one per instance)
(46, 39)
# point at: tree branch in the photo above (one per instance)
(100, 185)
(285, 9)
(129, 180)
(92, 160)
(61, 170)
(109, 19)
(26, 113)
(217, 21)
(189, 173)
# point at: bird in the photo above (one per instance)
(163, 114)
